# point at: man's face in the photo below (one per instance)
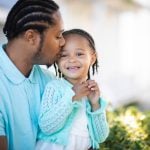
(51, 43)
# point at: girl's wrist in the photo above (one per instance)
(75, 98)
(95, 106)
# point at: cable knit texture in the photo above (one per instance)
(58, 113)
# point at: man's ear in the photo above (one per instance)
(31, 36)
(93, 59)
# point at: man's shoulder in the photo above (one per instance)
(2, 77)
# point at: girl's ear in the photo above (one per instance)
(93, 59)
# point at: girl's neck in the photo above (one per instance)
(75, 81)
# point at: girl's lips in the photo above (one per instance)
(73, 68)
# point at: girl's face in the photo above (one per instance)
(76, 58)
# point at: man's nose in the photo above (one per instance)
(62, 41)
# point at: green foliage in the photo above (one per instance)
(129, 129)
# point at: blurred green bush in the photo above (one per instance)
(129, 129)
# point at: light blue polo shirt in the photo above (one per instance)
(19, 103)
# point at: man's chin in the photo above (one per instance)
(51, 62)
(48, 65)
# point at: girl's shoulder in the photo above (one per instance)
(54, 82)
(58, 83)
(59, 86)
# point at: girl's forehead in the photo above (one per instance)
(76, 42)
(76, 39)
(74, 36)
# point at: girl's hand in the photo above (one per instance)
(94, 94)
(81, 90)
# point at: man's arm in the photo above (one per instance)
(3, 143)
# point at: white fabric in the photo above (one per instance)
(75, 143)
(43, 145)
(78, 143)
(79, 136)
(79, 126)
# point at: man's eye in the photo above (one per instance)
(63, 55)
(59, 37)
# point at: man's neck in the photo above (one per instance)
(19, 58)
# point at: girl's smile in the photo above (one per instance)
(73, 68)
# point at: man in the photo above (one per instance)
(34, 32)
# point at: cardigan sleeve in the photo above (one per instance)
(56, 106)
(98, 122)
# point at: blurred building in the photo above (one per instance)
(121, 29)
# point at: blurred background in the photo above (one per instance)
(121, 30)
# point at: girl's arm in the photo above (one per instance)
(97, 122)
(56, 106)
(96, 112)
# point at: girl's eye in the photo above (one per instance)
(80, 54)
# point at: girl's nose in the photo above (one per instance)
(71, 59)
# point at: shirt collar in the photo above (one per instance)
(11, 71)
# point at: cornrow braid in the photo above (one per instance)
(91, 44)
(29, 14)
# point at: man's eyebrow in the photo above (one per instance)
(61, 31)
(63, 50)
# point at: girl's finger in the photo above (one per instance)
(92, 85)
(94, 88)
(90, 81)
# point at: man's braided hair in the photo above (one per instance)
(29, 14)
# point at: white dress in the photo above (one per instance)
(79, 136)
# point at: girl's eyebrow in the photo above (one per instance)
(80, 49)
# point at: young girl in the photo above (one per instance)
(72, 115)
